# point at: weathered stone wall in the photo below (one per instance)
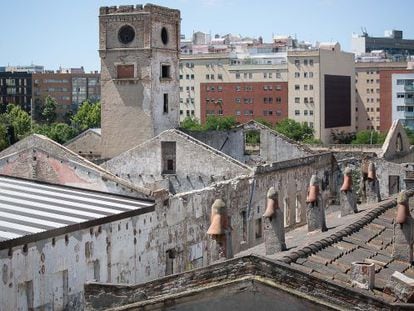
(197, 165)
(49, 273)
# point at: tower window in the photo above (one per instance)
(165, 71)
(164, 35)
(126, 34)
(165, 103)
(125, 71)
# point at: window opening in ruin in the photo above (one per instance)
(169, 266)
(286, 212)
(258, 228)
(244, 225)
(165, 71)
(252, 142)
(298, 210)
(399, 144)
(29, 294)
(168, 152)
(165, 103)
(393, 184)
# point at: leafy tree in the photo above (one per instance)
(88, 116)
(219, 123)
(59, 132)
(294, 130)
(19, 119)
(191, 124)
(368, 137)
(3, 140)
(49, 110)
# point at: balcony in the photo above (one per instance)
(409, 101)
(409, 115)
(409, 88)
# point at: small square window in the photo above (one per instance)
(165, 71)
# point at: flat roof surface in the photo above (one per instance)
(28, 207)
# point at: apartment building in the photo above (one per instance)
(321, 89)
(368, 93)
(68, 89)
(224, 84)
(15, 88)
(397, 98)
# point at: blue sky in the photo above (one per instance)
(64, 33)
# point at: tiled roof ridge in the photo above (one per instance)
(339, 235)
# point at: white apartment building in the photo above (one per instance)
(403, 98)
(322, 89)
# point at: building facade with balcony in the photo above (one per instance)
(397, 98)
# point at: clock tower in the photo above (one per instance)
(139, 50)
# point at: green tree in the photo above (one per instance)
(368, 137)
(219, 123)
(19, 119)
(191, 124)
(87, 116)
(49, 110)
(294, 130)
(59, 132)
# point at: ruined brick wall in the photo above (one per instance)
(87, 144)
(187, 216)
(273, 147)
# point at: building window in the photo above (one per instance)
(165, 103)
(237, 100)
(305, 62)
(310, 86)
(250, 76)
(237, 75)
(264, 75)
(220, 76)
(125, 71)
(165, 71)
(310, 74)
(238, 113)
(305, 100)
(297, 112)
(305, 74)
(181, 77)
(278, 75)
(297, 62)
(297, 74)
(278, 87)
(311, 112)
(238, 88)
(297, 100)
(305, 112)
(311, 100)
(168, 156)
(192, 77)
(207, 77)
(311, 62)
(278, 100)
(305, 87)
(220, 88)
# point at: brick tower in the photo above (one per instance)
(139, 50)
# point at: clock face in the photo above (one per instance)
(126, 34)
(164, 35)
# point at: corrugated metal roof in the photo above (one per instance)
(28, 207)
